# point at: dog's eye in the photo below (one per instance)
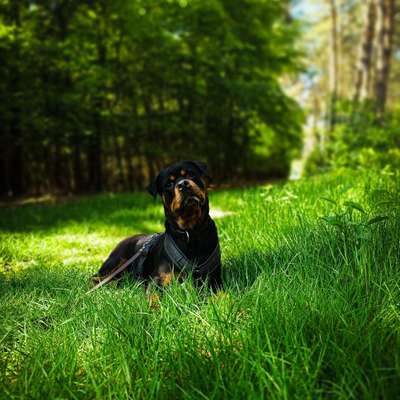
(169, 184)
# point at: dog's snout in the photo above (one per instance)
(183, 184)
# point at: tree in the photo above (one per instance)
(386, 27)
(364, 65)
(333, 64)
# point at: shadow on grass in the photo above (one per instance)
(130, 211)
(242, 271)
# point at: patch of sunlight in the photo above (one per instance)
(218, 213)
(148, 227)
(85, 260)
(126, 213)
(81, 248)
(18, 266)
(108, 228)
(48, 199)
(75, 257)
(309, 141)
(92, 239)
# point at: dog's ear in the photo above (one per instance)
(154, 187)
(203, 170)
(201, 167)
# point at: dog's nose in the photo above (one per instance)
(184, 184)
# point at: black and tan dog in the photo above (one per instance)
(190, 241)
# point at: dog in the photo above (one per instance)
(189, 245)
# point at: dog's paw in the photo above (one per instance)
(94, 280)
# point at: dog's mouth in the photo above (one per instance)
(191, 200)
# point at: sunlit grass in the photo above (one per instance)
(310, 307)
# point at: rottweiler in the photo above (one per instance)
(188, 246)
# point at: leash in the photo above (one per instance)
(108, 278)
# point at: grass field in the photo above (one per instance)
(311, 306)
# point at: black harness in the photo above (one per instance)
(176, 257)
(182, 263)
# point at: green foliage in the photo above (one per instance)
(310, 308)
(100, 94)
(361, 140)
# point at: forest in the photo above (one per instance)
(350, 88)
(98, 95)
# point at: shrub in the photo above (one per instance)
(360, 140)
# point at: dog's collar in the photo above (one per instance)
(189, 234)
(180, 261)
(181, 232)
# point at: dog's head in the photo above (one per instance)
(183, 189)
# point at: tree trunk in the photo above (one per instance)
(58, 169)
(62, 81)
(77, 164)
(94, 163)
(121, 181)
(333, 64)
(363, 76)
(95, 142)
(386, 24)
(4, 183)
(15, 166)
(129, 168)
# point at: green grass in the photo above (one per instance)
(311, 306)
